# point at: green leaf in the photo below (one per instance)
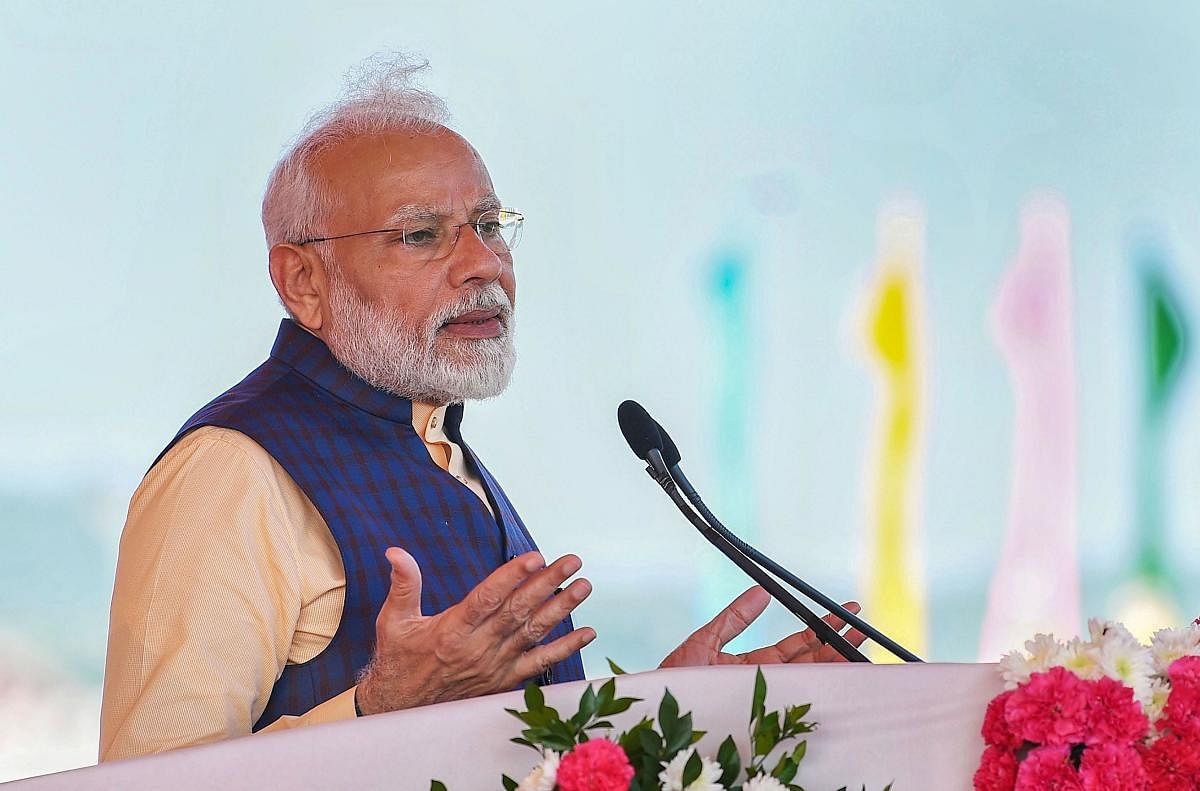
(691, 769)
(678, 737)
(766, 734)
(785, 770)
(534, 699)
(563, 732)
(730, 761)
(793, 720)
(606, 693)
(616, 706)
(587, 708)
(630, 740)
(698, 735)
(508, 783)
(668, 712)
(800, 751)
(536, 719)
(437, 785)
(650, 742)
(757, 704)
(614, 667)
(599, 724)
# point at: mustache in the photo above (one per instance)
(490, 297)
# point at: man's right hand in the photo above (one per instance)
(486, 643)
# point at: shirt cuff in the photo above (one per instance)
(335, 709)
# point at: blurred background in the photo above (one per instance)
(913, 291)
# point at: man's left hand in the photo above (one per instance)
(704, 646)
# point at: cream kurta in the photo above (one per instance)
(226, 573)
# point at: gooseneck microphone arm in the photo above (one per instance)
(643, 439)
(779, 571)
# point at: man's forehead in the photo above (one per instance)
(408, 172)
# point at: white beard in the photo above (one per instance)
(419, 362)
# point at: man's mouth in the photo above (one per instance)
(476, 324)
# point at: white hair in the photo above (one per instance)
(380, 97)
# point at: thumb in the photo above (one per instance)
(404, 595)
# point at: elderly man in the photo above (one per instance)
(319, 542)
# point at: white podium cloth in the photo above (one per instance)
(914, 725)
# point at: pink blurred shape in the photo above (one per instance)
(1036, 584)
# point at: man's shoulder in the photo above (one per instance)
(253, 397)
(211, 451)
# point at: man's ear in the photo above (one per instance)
(299, 279)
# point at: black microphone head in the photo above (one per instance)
(670, 453)
(640, 430)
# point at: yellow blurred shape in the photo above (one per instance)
(894, 599)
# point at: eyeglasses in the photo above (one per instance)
(428, 240)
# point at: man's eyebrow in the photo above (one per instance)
(413, 213)
(487, 203)
(427, 213)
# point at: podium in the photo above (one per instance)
(916, 726)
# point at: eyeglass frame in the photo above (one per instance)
(520, 222)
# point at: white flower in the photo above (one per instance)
(763, 783)
(1159, 692)
(1129, 663)
(1109, 632)
(1015, 669)
(672, 776)
(1082, 659)
(1167, 645)
(1044, 652)
(544, 775)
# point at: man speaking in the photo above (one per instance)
(320, 542)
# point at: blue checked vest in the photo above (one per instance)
(353, 451)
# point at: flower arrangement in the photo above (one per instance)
(656, 754)
(1104, 713)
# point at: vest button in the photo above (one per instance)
(546, 678)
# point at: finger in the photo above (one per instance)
(733, 620)
(404, 594)
(513, 616)
(541, 658)
(489, 596)
(552, 612)
(800, 647)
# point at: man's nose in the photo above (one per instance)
(471, 259)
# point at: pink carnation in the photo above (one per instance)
(1048, 769)
(1171, 764)
(1185, 672)
(996, 732)
(1113, 714)
(1112, 767)
(1050, 708)
(997, 770)
(595, 765)
(1182, 712)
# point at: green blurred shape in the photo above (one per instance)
(1165, 341)
(1167, 336)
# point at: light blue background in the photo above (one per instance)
(642, 140)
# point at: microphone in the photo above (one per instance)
(671, 459)
(646, 441)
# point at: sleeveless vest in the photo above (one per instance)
(353, 451)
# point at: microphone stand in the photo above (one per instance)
(858, 623)
(657, 470)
